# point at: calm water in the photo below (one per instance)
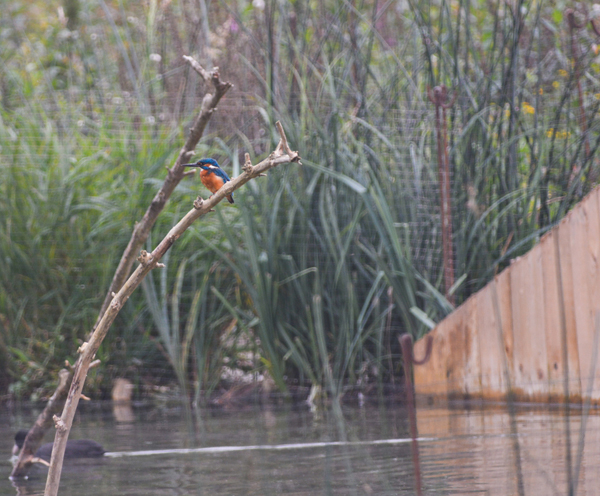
(288, 450)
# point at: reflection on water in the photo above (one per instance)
(480, 447)
(288, 450)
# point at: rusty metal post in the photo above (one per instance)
(439, 97)
(406, 343)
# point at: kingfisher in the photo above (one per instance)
(211, 175)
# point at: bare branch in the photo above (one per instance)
(284, 144)
(174, 176)
(148, 261)
(142, 228)
(204, 74)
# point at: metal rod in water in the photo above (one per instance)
(261, 447)
(406, 344)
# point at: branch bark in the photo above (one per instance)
(42, 424)
(282, 154)
(142, 229)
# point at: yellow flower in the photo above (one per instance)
(528, 109)
(597, 96)
(562, 73)
(556, 85)
(558, 134)
(541, 91)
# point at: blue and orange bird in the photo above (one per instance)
(211, 175)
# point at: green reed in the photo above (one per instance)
(321, 266)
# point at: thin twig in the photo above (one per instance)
(204, 74)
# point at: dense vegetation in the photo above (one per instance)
(315, 271)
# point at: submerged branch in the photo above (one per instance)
(42, 424)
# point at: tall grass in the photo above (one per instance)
(68, 204)
(370, 202)
(320, 266)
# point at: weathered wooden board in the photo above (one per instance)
(592, 210)
(491, 344)
(472, 356)
(504, 299)
(564, 259)
(552, 317)
(433, 377)
(529, 352)
(444, 373)
(532, 329)
(580, 266)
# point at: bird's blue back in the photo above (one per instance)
(211, 165)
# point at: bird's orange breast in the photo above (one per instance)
(211, 181)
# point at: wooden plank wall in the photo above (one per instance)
(532, 330)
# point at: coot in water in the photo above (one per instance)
(77, 448)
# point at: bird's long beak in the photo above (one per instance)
(189, 165)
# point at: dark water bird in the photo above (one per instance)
(211, 175)
(77, 448)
